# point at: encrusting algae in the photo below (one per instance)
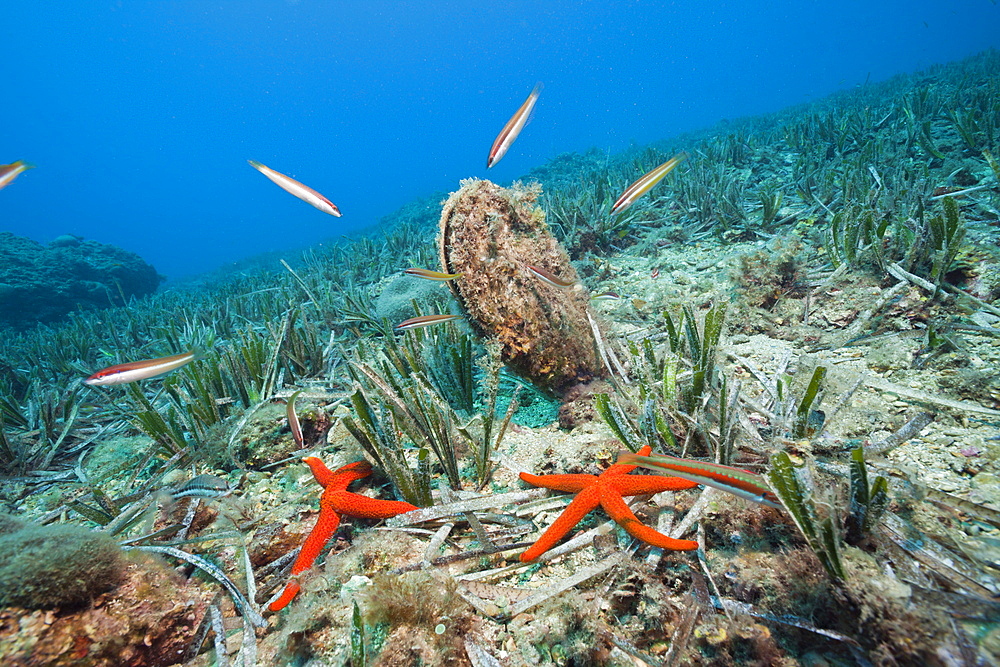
(493, 236)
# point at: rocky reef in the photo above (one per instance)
(492, 235)
(41, 283)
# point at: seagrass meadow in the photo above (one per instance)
(813, 296)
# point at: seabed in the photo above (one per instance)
(852, 245)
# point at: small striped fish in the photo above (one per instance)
(8, 172)
(293, 419)
(424, 321)
(139, 370)
(646, 183)
(548, 277)
(432, 275)
(202, 486)
(303, 192)
(513, 128)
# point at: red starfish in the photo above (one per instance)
(335, 501)
(606, 490)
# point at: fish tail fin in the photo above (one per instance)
(628, 458)
(25, 165)
(534, 93)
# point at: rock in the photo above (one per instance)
(984, 319)
(149, 620)
(578, 404)
(985, 489)
(65, 241)
(275, 539)
(395, 303)
(891, 354)
(44, 284)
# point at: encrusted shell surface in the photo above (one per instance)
(491, 235)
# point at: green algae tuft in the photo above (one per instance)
(42, 567)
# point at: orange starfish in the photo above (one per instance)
(606, 490)
(335, 501)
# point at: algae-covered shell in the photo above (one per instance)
(491, 235)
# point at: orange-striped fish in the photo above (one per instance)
(303, 192)
(646, 183)
(432, 275)
(140, 370)
(513, 127)
(8, 172)
(550, 278)
(424, 321)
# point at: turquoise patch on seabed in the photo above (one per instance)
(535, 409)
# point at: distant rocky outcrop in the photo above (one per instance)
(41, 283)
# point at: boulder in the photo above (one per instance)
(41, 283)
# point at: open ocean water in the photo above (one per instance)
(141, 116)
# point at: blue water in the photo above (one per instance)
(141, 115)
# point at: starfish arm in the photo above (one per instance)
(580, 507)
(322, 474)
(292, 589)
(321, 533)
(624, 468)
(567, 483)
(634, 485)
(616, 508)
(337, 479)
(363, 507)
